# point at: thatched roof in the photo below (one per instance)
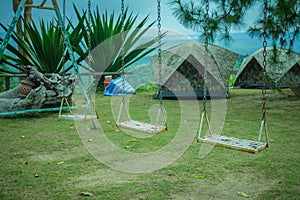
(275, 70)
(219, 62)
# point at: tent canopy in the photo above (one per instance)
(189, 60)
(282, 68)
(114, 88)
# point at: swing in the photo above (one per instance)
(60, 20)
(73, 116)
(133, 124)
(89, 112)
(231, 142)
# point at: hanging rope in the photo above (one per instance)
(123, 103)
(264, 100)
(231, 142)
(63, 37)
(159, 50)
(133, 124)
(89, 40)
(206, 51)
(122, 49)
(64, 12)
(204, 114)
(160, 67)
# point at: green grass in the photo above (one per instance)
(42, 157)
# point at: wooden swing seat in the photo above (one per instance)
(142, 127)
(78, 117)
(233, 143)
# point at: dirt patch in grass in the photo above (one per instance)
(104, 177)
(65, 154)
(233, 186)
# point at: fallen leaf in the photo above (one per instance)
(242, 194)
(128, 147)
(200, 176)
(132, 140)
(86, 194)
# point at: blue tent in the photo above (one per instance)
(115, 88)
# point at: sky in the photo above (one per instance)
(144, 8)
(140, 7)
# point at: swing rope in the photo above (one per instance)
(123, 103)
(159, 50)
(160, 66)
(204, 100)
(123, 48)
(206, 52)
(89, 107)
(132, 124)
(264, 99)
(89, 39)
(63, 37)
(231, 142)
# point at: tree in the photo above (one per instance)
(223, 15)
(43, 48)
(282, 23)
(27, 15)
(15, 8)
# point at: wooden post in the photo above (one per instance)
(7, 83)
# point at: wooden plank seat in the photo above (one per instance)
(233, 143)
(78, 117)
(142, 127)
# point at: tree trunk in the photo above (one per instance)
(15, 8)
(27, 16)
(37, 91)
(19, 25)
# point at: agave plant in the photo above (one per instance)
(43, 48)
(106, 30)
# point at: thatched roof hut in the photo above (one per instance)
(183, 69)
(283, 69)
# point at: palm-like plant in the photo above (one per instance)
(106, 30)
(43, 48)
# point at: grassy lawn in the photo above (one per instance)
(43, 157)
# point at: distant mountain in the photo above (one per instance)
(243, 44)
